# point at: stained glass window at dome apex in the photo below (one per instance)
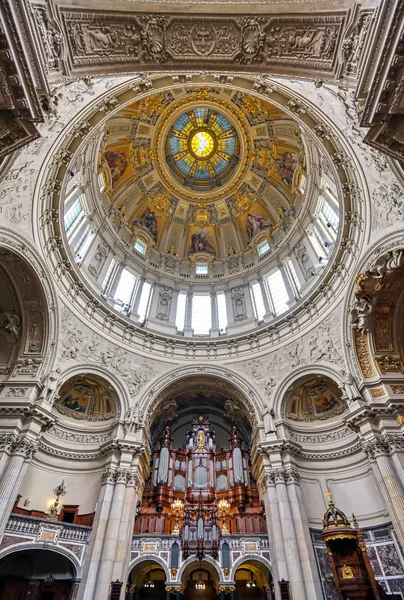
(202, 148)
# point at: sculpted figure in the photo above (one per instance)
(349, 385)
(361, 314)
(268, 418)
(11, 323)
(50, 387)
(133, 420)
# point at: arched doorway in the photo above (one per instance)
(254, 582)
(36, 575)
(200, 581)
(146, 581)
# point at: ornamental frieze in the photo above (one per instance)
(301, 41)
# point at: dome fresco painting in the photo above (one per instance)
(206, 184)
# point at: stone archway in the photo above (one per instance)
(253, 580)
(147, 579)
(200, 579)
(37, 573)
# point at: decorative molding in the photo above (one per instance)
(100, 39)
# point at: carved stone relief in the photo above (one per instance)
(78, 343)
(99, 38)
(164, 303)
(239, 307)
(99, 259)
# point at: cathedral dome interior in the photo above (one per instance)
(201, 294)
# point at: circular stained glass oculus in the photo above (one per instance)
(202, 144)
(202, 149)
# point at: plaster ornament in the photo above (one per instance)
(133, 420)
(361, 314)
(268, 419)
(11, 323)
(50, 387)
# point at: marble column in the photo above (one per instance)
(275, 530)
(109, 548)
(214, 330)
(22, 451)
(92, 561)
(188, 331)
(391, 485)
(6, 444)
(289, 537)
(268, 310)
(125, 534)
(301, 525)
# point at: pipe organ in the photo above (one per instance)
(200, 490)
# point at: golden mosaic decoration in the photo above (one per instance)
(364, 356)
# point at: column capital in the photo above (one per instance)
(274, 476)
(24, 447)
(383, 446)
(7, 441)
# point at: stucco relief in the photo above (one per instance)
(300, 41)
(78, 343)
(322, 344)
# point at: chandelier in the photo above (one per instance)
(149, 583)
(251, 582)
(200, 584)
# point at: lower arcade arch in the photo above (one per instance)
(37, 574)
(146, 581)
(253, 581)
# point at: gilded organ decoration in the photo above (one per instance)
(85, 398)
(202, 478)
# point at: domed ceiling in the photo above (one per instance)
(202, 171)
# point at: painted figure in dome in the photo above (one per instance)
(148, 220)
(117, 163)
(256, 223)
(286, 166)
(201, 242)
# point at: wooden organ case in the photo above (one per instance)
(200, 491)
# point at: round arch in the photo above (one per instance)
(228, 379)
(122, 394)
(208, 563)
(250, 558)
(35, 546)
(290, 379)
(360, 360)
(38, 302)
(150, 558)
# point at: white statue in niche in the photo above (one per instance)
(50, 387)
(268, 418)
(349, 386)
